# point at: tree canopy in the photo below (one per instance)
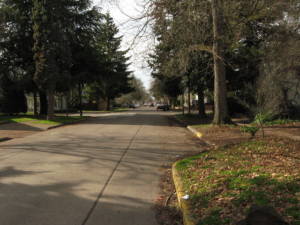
(50, 47)
(234, 43)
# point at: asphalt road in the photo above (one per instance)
(103, 172)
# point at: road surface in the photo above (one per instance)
(105, 171)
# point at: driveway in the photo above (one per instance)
(104, 171)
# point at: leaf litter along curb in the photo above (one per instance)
(223, 184)
(166, 205)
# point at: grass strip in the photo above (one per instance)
(55, 121)
(224, 183)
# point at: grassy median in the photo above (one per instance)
(222, 184)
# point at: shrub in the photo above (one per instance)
(262, 118)
(250, 129)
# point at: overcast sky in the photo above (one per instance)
(123, 12)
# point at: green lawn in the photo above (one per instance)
(56, 121)
(224, 183)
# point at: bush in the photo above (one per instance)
(250, 129)
(262, 118)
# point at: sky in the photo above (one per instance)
(123, 13)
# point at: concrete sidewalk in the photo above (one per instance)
(19, 130)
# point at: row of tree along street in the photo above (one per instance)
(243, 55)
(59, 46)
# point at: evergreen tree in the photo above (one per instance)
(114, 78)
(16, 59)
(51, 51)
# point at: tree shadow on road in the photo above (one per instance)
(145, 119)
(62, 204)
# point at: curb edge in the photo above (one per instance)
(183, 204)
(66, 124)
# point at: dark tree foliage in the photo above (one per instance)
(16, 59)
(114, 78)
(13, 100)
(255, 43)
(57, 46)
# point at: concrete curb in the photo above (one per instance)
(195, 132)
(66, 124)
(190, 128)
(184, 205)
(200, 136)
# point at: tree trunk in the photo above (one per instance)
(221, 115)
(67, 103)
(80, 99)
(35, 106)
(189, 95)
(183, 103)
(43, 103)
(201, 103)
(51, 102)
(108, 104)
(173, 103)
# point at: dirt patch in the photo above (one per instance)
(222, 136)
(227, 135)
(291, 131)
(231, 134)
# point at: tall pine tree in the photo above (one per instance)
(46, 67)
(115, 77)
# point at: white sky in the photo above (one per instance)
(121, 13)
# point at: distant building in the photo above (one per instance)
(60, 103)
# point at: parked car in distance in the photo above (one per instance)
(164, 107)
(131, 106)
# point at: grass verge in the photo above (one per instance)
(58, 120)
(224, 183)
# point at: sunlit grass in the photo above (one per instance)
(224, 183)
(58, 120)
